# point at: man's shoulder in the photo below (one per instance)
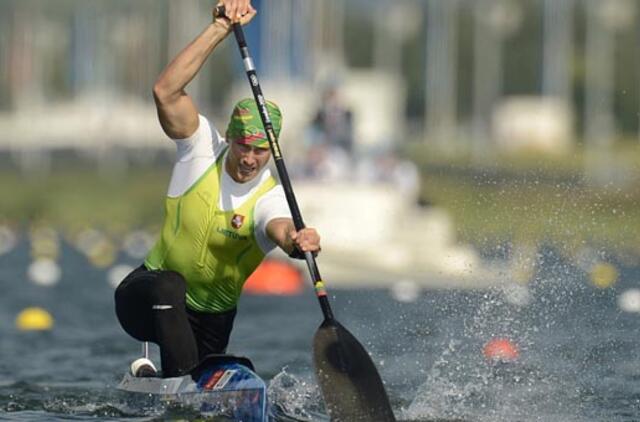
(205, 142)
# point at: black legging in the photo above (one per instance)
(151, 306)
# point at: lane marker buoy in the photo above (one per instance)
(405, 291)
(603, 275)
(275, 277)
(117, 273)
(34, 319)
(44, 272)
(501, 349)
(629, 301)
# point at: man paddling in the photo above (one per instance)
(224, 212)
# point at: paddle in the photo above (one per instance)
(350, 383)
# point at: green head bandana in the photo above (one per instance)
(245, 125)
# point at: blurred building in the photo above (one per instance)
(78, 74)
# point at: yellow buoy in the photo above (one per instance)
(34, 319)
(102, 254)
(603, 275)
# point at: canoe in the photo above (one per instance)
(221, 385)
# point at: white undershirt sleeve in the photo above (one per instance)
(195, 155)
(271, 205)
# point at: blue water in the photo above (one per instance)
(579, 353)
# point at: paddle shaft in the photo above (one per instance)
(349, 381)
(249, 67)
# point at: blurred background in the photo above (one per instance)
(448, 144)
(434, 123)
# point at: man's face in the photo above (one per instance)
(245, 162)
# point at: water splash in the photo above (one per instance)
(293, 397)
(542, 384)
(458, 388)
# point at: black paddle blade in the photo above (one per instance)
(350, 383)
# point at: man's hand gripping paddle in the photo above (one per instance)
(350, 383)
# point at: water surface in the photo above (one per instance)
(579, 354)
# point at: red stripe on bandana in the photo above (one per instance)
(250, 139)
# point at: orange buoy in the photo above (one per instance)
(274, 277)
(500, 349)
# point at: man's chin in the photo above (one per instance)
(246, 177)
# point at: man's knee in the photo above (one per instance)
(169, 288)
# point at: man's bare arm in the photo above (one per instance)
(177, 112)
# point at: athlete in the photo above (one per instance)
(224, 212)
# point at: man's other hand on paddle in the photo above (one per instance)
(306, 240)
(284, 234)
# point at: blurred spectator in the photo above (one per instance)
(334, 121)
(331, 138)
